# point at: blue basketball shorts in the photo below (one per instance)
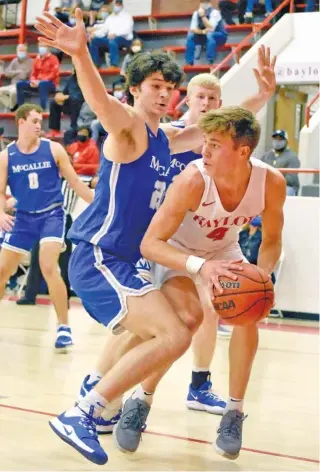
(103, 282)
(30, 228)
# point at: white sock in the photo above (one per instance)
(142, 395)
(94, 376)
(234, 404)
(201, 369)
(93, 403)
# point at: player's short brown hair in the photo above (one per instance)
(146, 63)
(238, 122)
(24, 110)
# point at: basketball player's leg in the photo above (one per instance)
(114, 295)
(48, 259)
(9, 262)
(242, 350)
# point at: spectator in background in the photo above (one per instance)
(65, 8)
(135, 48)
(115, 32)
(248, 16)
(227, 9)
(69, 102)
(281, 156)
(18, 69)
(206, 28)
(44, 77)
(250, 240)
(84, 152)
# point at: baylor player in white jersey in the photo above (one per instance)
(195, 232)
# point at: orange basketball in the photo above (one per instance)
(246, 300)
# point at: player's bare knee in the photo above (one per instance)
(178, 341)
(5, 273)
(49, 270)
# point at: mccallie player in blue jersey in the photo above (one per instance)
(31, 166)
(132, 182)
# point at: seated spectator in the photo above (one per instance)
(248, 16)
(135, 48)
(115, 32)
(84, 153)
(44, 77)
(227, 9)
(69, 102)
(18, 69)
(99, 10)
(281, 156)
(207, 29)
(85, 119)
(63, 11)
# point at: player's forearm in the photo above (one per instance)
(256, 102)
(163, 253)
(91, 83)
(82, 190)
(269, 255)
(3, 203)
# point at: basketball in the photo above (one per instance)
(246, 300)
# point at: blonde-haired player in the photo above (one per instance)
(196, 230)
(203, 95)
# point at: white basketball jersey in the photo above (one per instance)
(211, 228)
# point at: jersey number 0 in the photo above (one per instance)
(33, 180)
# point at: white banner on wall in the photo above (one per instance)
(298, 73)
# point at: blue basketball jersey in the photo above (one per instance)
(126, 198)
(34, 178)
(180, 161)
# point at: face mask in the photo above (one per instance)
(104, 15)
(82, 138)
(279, 144)
(117, 9)
(42, 50)
(21, 54)
(118, 94)
(136, 49)
(205, 6)
(72, 21)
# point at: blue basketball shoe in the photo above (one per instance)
(204, 399)
(78, 429)
(111, 414)
(64, 339)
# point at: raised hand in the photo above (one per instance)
(265, 74)
(72, 41)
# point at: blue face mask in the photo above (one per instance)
(21, 54)
(117, 9)
(42, 50)
(104, 15)
(72, 21)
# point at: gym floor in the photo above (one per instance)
(281, 432)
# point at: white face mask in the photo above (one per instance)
(117, 9)
(118, 94)
(205, 6)
(72, 21)
(136, 49)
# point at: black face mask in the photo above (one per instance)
(82, 138)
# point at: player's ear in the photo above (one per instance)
(134, 90)
(245, 152)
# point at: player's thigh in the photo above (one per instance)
(183, 296)
(9, 261)
(49, 253)
(152, 315)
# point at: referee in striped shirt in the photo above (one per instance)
(35, 276)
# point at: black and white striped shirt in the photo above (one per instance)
(69, 197)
